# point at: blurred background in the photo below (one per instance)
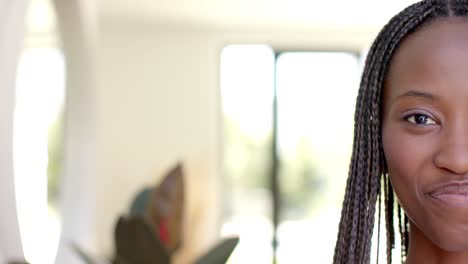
(255, 98)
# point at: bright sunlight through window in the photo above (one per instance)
(316, 93)
(39, 102)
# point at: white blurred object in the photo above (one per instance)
(11, 34)
(36, 109)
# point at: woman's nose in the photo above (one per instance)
(452, 154)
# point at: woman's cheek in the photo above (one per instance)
(404, 154)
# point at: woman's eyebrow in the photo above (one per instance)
(414, 93)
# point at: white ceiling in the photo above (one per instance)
(269, 13)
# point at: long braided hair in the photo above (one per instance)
(368, 182)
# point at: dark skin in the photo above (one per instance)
(425, 139)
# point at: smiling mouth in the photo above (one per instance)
(452, 194)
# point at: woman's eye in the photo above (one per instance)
(420, 119)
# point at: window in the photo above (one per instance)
(247, 87)
(316, 99)
(288, 127)
(37, 143)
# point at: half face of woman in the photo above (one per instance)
(425, 131)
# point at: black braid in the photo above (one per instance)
(389, 218)
(406, 233)
(367, 170)
(379, 208)
(404, 250)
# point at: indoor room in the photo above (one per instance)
(232, 120)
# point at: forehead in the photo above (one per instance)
(432, 57)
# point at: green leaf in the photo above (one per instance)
(136, 243)
(220, 253)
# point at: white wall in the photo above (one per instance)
(157, 104)
(77, 23)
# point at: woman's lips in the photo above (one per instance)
(454, 194)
